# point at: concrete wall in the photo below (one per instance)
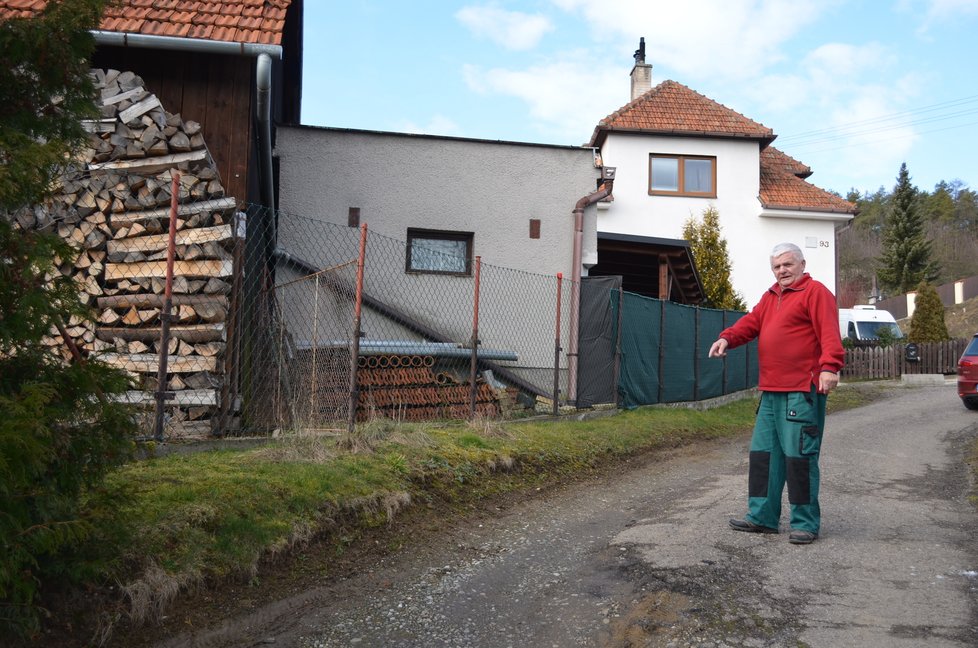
(399, 181)
(750, 231)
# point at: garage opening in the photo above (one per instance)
(654, 267)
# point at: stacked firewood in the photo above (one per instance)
(113, 206)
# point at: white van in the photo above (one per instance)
(862, 323)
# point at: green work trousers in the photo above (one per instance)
(784, 449)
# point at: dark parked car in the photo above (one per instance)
(968, 375)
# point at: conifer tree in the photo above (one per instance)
(60, 432)
(927, 323)
(709, 250)
(906, 257)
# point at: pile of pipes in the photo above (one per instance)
(419, 388)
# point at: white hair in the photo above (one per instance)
(784, 248)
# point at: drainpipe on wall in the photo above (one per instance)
(603, 192)
(263, 86)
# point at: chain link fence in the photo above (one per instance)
(234, 319)
(316, 352)
(257, 321)
(247, 321)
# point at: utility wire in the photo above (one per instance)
(864, 142)
(860, 124)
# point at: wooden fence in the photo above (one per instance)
(891, 362)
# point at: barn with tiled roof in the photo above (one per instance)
(200, 59)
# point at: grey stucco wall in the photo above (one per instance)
(401, 181)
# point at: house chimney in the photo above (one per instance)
(641, 73)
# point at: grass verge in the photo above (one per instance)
(186, 521)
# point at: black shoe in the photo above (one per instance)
(797, 536)
(750, 527)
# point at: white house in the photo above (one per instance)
(677, 153)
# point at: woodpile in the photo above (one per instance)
(113, 206)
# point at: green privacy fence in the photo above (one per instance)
(663, 352)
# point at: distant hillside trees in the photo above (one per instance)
(712, 260)
(948, 219)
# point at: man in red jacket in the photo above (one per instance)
(800, 354)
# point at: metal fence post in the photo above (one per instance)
(617, 369)
(474, 365)
(662, 348)
(355, 342)
(696, 354)
(560, 280)
(230, 389)
(315, 348)
(162, 395)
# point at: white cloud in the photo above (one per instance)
(511, 29)
(438, 125)
(951, 8)
(838, 111)
(844, 62)
(828, 74)
(876, 146)
(736, 39)
(566, 98)
(855, 129)
(937, 12)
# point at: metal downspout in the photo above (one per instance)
(263, 85)
(603, 192)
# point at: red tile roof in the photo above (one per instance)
(782, 188)
(240, 21)
(774, 157)
(672, 108)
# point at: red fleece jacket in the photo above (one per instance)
(798, 335)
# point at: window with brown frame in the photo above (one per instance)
(439, 251)
(682, 175)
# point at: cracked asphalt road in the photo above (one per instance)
(645, 558)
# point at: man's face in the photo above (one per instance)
(787, 268)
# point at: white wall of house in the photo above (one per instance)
(750, 231)
(814, 234)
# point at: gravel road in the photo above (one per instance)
(645, 558)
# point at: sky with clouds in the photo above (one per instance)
(852, 88)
